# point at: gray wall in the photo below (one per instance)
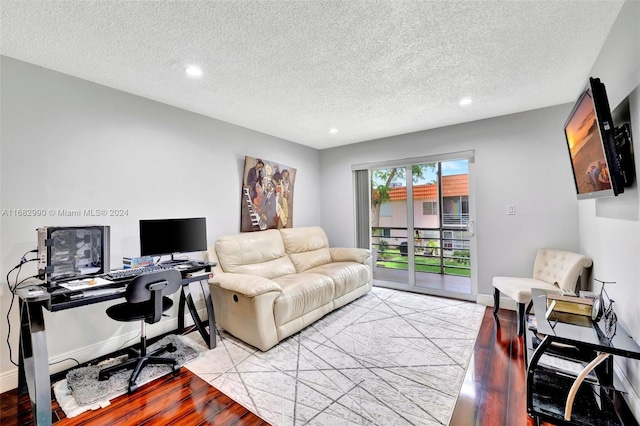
(68, 143)
(520, 159)
(610, 228)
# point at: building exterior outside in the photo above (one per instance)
(426, 214)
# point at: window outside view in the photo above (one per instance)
(440, 238)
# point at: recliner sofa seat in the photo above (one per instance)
(271, 284)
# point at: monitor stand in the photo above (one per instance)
(173, 261)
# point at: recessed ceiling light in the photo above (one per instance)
(193, 71)
(333, 131)
(465, 101)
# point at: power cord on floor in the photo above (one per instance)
(13, 289)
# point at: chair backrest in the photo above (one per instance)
(560, 267)
(141, 287)
(151, 288)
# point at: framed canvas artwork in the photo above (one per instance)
(267, 195)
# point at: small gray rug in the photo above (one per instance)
(87, 392)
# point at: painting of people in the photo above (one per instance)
(267, 195)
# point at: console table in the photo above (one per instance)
(598, 398)
(33, 365)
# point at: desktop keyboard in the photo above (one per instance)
(122, 274)
(134, 272)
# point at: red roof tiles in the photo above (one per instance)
(452, 186)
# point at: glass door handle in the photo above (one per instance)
(471, 228)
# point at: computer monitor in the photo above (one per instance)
(160, 237)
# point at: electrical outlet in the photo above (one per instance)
(511, 209)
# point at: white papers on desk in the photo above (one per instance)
(85, 283)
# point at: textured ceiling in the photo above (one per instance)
(295, 69)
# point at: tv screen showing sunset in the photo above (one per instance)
(585, 146)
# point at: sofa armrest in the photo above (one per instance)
(211, 256)
(349, 254)
(248, 285)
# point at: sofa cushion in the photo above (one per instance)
(257, 253)
(307, 238)
(307, 247)
(301, 293)
(346, 276)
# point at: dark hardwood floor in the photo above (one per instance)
(181, 400)
(493, 393)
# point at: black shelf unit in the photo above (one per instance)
(592, 405)
(599, 399)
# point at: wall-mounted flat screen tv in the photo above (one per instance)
(590, 136)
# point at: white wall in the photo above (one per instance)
(520, 159)
(610, 228)
(71, 144)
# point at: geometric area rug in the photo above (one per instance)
(82, 391)
(387, 358)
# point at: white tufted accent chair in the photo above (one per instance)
(553, 270)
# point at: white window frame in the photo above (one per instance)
(432, 209)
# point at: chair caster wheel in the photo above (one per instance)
(176, 369)
(103, 377)
(133, 388)
(171, 348)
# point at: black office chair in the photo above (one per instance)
(146, 301)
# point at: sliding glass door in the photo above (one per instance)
(421, 227)
(389, 225)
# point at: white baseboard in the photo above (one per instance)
(9, 379)
(487, 300)
(631, 397)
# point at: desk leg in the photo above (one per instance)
(181, 306)
(542, 347)
(35, 361)
(210, 315)
(186, 298)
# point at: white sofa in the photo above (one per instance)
(271, 284)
